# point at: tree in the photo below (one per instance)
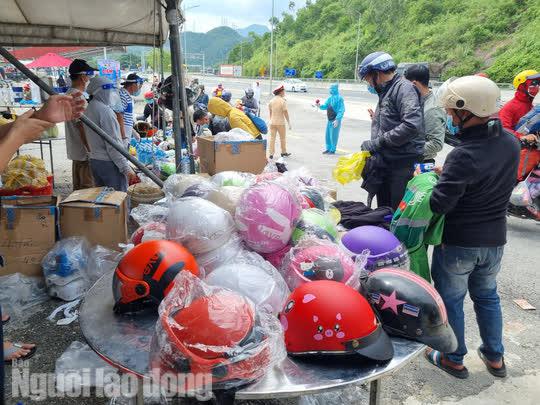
(292, 5)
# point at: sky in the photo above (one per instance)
(240, 13)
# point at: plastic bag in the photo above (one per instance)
(314, 222)
(149, 231)
(316, 259)
(208, 329)
(226, 197)
(520, 196)
(356, 394)
(222, 255)
(266, 215)
(79, 356)
(199, 225)
(253, 277)
(102, 261)
(232, 178)
(145, 213)
(235, 134)
(19, 293)
(349, 168)
(176, 185)
(25, 171)
(65, 268)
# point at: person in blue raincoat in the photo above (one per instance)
(335, 108)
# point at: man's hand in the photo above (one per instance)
(373, 145)
(335, 123)
(371, 113)
(61, 108)
(531, 138)
(438, 170)
(26, 128)
(132, 177)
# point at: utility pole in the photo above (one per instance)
(357, 45)
(272, 47)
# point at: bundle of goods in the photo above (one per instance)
(26, 175)
(144, 193)
(148, 153)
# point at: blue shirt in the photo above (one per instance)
(127, 111)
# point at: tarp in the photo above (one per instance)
(49, 60)
(90, 23)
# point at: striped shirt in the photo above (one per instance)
(127, 111)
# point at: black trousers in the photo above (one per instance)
(393, 188)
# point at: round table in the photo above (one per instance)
(124, 342)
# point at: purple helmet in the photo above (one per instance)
(384, 248)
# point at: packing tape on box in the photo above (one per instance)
(101, 196)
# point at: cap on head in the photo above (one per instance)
(79, 66)
(475, 94)
(132, 78)
(278, 90)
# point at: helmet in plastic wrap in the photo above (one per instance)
(384, 248)
(210, 330)
(149, 231)
(314, 222)
(202, 190)
(176, 185)
(410, 307)
(222, 255)
(261, 283)
(276, 258)
(232, 178)
(316, 260)
(146, 273)
(266, 215)
(268, 176)
(313, 197)
(327, 317)
(199, 225)
(226, 197)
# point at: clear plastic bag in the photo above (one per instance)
(145, 213)
(356, 394)
(232, 178)
(69, 366)
(215, 331)
(316, 223)
(176, 185)
(266, 216)
(19, 293)
(235, 134)
(102, 261)
(65, 268)
(222, 255)
(149, 231)
(199, 225)
(226, 197)
(520, 196)
(253, 277)
(316, 259)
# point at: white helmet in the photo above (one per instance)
(476, 94)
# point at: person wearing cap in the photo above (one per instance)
(473, 192)
(278, 116)
(130, 87)
(153, 110)
(77, 147)
(109, 167)
(434, 115)
(397, 129)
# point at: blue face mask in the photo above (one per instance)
(150, 101)
(137, 93)
(371, 89)
(450, 125)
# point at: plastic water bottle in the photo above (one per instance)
(185, 164)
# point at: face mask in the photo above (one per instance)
(149, 101)
(371, 89)
(137, 93)
(450, 125)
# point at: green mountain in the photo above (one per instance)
(215, 44)
(500, 37)
(256, 28)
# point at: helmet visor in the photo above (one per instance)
(397, 258)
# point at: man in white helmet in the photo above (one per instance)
(109, 167)
(473, 192)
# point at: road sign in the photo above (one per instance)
(319, 74)
(289, 72)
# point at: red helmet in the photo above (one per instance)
(149, 95)
(328, 317)
(146, 273)
(213, 331)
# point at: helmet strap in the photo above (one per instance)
(462, 121)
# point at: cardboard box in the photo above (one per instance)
(28, 230)
(99, 214)
(242, 156)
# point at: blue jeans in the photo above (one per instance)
(106, 174)
(458, 269)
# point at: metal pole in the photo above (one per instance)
(272, 48)
(178, 87)
(106, 137)
(357, 45)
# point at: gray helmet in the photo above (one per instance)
(249, 92)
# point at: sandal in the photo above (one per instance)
(435, 357)
(15, 347)
(497, 372)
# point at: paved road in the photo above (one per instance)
(418, 382)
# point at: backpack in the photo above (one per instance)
(258, 122)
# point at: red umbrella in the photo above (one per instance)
(49, 60)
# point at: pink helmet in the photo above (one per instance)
(276, 258)
(266, 215)
(316, 260)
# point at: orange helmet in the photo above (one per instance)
(145, 274)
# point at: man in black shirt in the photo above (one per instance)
(473, 193)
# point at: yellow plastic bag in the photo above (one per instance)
(349, 168)
(23, 171)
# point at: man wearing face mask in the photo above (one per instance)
(335, 109)
(109, 167)
(397, 128)
(76, 143)
(153, 110)
(130, 87)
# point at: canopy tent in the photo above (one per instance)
(101, 23)
(49, 60)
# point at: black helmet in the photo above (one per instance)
(249, 92)
(166, 94)
(408, 306)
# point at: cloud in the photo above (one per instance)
(241, 13)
